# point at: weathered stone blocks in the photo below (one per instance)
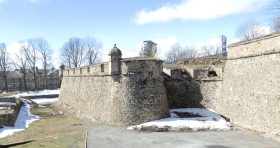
(134, 96)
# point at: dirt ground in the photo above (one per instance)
(54, 129)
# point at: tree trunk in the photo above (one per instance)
(24, 81)
(45, 77)
(35, 79)
(5, 81)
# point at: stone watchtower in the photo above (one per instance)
(114, 61)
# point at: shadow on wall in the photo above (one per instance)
(183, 92)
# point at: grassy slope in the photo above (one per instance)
(52, 130)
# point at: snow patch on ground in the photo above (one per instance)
(22, 122)
(45, 101)
(34, 93)
(5, 108)
(206, 119)
(7, 103)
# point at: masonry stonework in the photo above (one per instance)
(133, 96)
(249, 93)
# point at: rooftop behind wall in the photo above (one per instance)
(255, 47)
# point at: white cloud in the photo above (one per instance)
(164, 45)
(198, 10)
(13, 49)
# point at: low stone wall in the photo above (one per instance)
(134, 96)
(9, 112)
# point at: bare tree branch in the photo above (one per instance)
(30, 52)
(44, 53)
(250, 30)
(20, 62)
(276, 24)
(211, 50)
(77, 51)
(4, 64)
(177, 52)
(92, 50)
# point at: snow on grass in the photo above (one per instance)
(195, 119)
(34, 93)
(5, 108)
(22, 122)
(45, 101)
(7, 103)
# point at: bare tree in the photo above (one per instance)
(44, 54)
(4, 64)
(250, 30)
(30, 51)
(275, 6)
(177, 53)
(73, 52)
(66, 55)
(92, 50)
(211, 50)
(20, 62)
(276, 24)
(77, 51)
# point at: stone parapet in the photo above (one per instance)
(268, 44)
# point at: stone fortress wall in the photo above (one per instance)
(249, 93)
(125, 91)
(245, 87)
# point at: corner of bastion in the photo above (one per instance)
(123, 91)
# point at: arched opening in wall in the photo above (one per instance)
(212, 73)
(88, 69)
(81, 71)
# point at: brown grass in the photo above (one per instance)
(52, 130)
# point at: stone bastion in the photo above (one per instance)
(121, 91)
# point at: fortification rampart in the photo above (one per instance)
(255, 47)
(136, 94)
(249, 93)
(89, 70)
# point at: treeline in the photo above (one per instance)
(75, 51)
(179, 52)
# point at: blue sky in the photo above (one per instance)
(127, 23)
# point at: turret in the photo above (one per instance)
(115, 56)
(61, 68)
